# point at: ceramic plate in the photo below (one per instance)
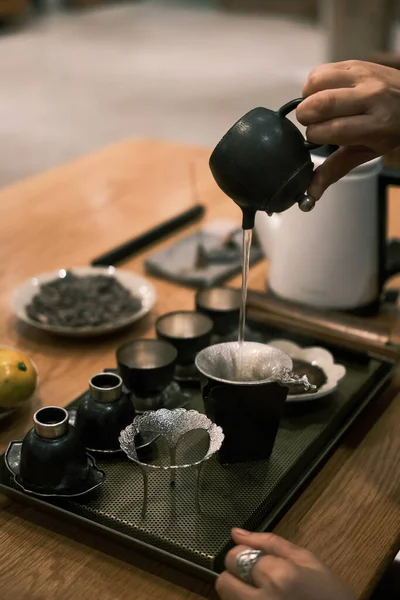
(138, 286)
(94, 480)
(316, 356)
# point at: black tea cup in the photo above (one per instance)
(146, 366)
(188, 331)
(53, 457)
(222, 305)
(104, 412)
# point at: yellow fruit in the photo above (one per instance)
(18, 378)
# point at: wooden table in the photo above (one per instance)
(349, 515)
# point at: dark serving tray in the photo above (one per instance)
(249, 495)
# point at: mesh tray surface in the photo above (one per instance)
(242, 495)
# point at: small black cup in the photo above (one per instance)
(188, 331)
(53, 457)
(263, 163)
(146, 366)
(103, 412)
(249, 412)
(222, 305)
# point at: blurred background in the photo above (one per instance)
(79, 74)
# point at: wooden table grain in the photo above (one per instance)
(349, 514)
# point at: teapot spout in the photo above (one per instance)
(248, 217)
(267, 229)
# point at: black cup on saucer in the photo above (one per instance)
(147, 367)
(103, 412)
(222, 305)
(189, 332)
(53, 457)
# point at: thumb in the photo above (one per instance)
(266, 542)
(336, 166)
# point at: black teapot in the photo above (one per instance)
(263, 163)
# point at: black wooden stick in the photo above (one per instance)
(128, 249)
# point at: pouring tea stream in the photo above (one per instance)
(263, 164)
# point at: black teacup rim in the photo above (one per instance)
(218, 289)
(208, 324)
(170, 359)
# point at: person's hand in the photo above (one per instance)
(355, 105)
(286, 572)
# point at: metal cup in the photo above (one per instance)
(188, 331)
(222, 305)
(146, 366)
(244, 392)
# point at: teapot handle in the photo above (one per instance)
(286, 109)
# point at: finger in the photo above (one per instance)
(341, 131)
(331, 104)
(260, 572)
(265, 570)
(336, 166)
(344, 65)
(230, 587)
(268, 543)
(328, 78)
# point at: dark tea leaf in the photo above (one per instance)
(91, 300)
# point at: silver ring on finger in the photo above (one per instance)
(245, 562)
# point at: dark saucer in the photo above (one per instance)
(187, 375)
(95, 477)
(172, 397)
(146, 439)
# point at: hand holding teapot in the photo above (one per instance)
(355, 105)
